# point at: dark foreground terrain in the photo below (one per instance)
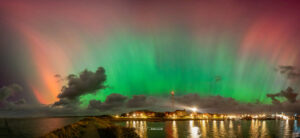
(92, 127)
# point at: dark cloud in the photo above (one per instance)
(86, 82)
(290, 71)
(273, 97)
(210, 104)
(206, 104)
(112, 101)
(115, 99)
(9, 96)
(57, 76)
(7, 91)
(95, 104)
(67, 104)
(141, 101)
(117, 103)
(293, 75)
(21, 101)
(289, 94)
(221, 104)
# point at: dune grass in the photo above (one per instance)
(92, 127)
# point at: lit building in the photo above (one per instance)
(170, 114)
(206, 116)
(141, 114)
(181, 113)
(218, 116)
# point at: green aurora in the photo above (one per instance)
(231, 49)
(154, 65)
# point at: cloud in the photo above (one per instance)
(9, 96)
(221, 104)
(118, 103)
(7, 91)
(57, 76)
(293, 75)
(273, 97)
(141, 101)
(112, 101)
(90, 82)
(206, 104)
(209, 103)
(289, 94)
(95, 104)
(291, 72)
(86, 82)
(67, 104)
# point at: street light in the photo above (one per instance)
(194, 109)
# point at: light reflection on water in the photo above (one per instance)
(140, 126)
(296, 131)
(203, 127)
(174, 128)
(215, 128)
(194, 130)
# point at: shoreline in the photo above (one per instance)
(136, 119)
(93, 127)
(181, 119)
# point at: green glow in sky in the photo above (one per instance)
(139, 63)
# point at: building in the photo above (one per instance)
(170, 114)
(207, 116)
(181, 113)
(141, 114)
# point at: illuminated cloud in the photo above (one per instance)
(86, 82)
(78, 85)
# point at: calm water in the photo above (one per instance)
(170, 129)
(216, 129)
(35, 127)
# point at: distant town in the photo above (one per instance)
(193, 115)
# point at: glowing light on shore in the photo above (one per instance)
(282, 116)
(194, 109)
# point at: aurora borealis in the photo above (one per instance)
(151, 48)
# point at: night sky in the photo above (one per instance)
(241, 50)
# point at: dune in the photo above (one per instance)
(92, 127)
